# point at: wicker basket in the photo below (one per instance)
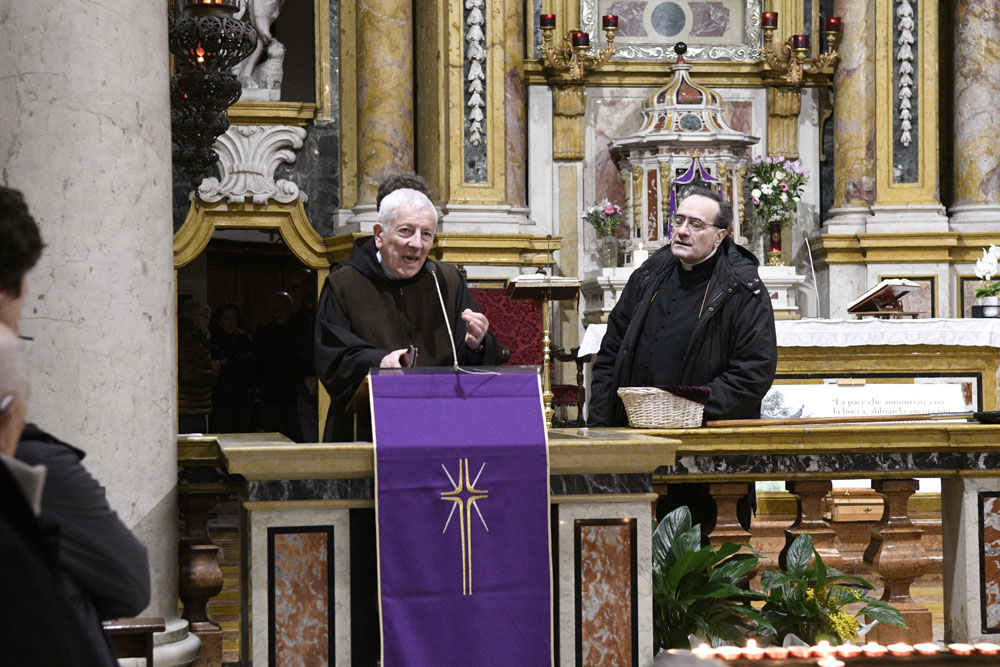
(649, 407)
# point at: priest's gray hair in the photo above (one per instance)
(404, 199)
(13, 367)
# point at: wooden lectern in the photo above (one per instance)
(544, 288)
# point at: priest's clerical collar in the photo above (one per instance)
(688, 267)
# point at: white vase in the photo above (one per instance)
(989, 306)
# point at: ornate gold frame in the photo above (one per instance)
(289, 220)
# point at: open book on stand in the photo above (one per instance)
(883, 300)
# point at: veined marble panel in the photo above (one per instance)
(970, 598)
(989, 522)
(604, 557)
(830, 463)
(607, 602)
(339, 521)
(301, 594)
(310, 489)
(598, 484)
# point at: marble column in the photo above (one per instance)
(86, 136)
(977, 115)
(854, 119)
(515, 105)
(385, 96)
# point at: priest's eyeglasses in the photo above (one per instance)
(695, 224)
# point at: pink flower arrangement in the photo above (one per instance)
(605, 217)
(776, 186)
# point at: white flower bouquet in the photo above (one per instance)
(776, 186)
(988, 266)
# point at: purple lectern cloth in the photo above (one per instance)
(452, 597)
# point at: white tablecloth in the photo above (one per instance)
(844, 333)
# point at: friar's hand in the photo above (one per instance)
(476, 326)
(393, 359)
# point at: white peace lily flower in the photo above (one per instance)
(994, 250)
(987, 265)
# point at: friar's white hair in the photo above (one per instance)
(404, 199)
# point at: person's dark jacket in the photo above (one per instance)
(732, 349)
(235, 379)
(364, 314)
(105, 567)
(37, 626)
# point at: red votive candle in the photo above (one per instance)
(833, 24)
(900, 649)
(769, 19)
(927, 648)
(609, 21)
(547, 21)
(580, 38)
(800, 41)
(848, 650)
(873, 650)
(729, 652)
(800, 651)
(751, 651)
(961, 649)
(987, 648)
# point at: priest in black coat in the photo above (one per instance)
(694, 314)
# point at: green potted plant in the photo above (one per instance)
(696, 589)
(987, 296)
(810, 600)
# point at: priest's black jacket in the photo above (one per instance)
(732, 349)
(365, 313)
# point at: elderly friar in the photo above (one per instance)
(380, 309)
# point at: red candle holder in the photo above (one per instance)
(609, 21)
(769, 20)
(833, 24)
(547, 21)
(800, 42)
(580, 38)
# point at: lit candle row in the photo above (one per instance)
(831, 24)
(829, 654)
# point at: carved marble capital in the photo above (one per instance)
(248, 158)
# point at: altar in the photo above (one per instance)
(961, 350)
(302, 507)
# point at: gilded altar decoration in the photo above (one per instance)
(571, 59)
